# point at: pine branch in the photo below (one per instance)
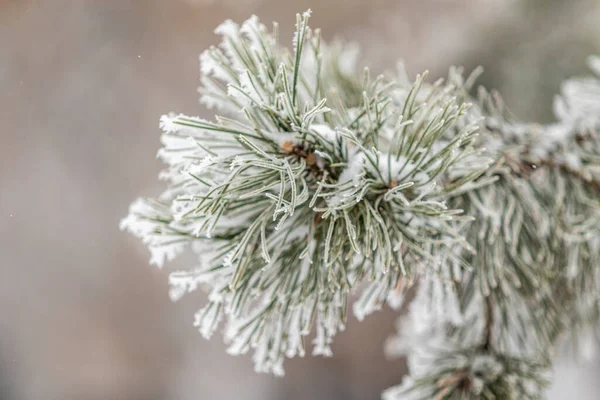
(317, 181)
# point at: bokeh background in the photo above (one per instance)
(82, 85)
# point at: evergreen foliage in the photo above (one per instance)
(318, 180)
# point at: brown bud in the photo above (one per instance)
(317, 219)
(288, 146)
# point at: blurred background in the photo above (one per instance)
(82, 85)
